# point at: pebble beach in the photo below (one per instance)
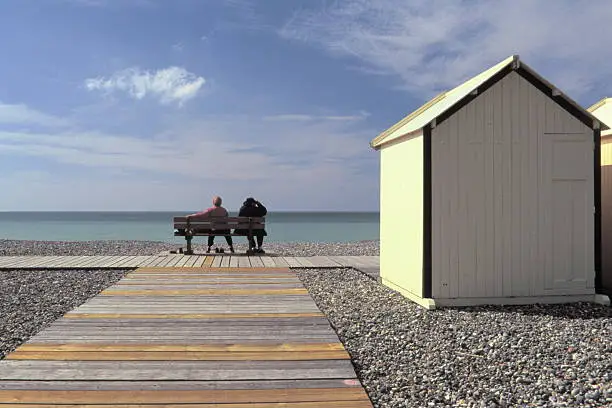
(405, 356)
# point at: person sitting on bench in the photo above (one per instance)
(253, 208)
(215, 211)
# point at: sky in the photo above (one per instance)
(154, 105)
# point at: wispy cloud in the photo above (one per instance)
(105, 3)
(430, 45)
(20, 114)
(299, 117)
(169, 85)
(233, 155)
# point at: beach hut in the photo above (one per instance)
(603, 111)
(490, 194)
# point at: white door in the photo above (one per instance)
(566, 211)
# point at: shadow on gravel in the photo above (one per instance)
(581, 310)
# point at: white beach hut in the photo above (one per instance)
(490, 194)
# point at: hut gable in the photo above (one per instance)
(446, 103)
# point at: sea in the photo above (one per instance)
(157, 226)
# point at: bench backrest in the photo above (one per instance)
(220, 223)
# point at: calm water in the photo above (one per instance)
(157, 226)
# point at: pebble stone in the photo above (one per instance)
(494, 356)
(31, 300)
(102, 248)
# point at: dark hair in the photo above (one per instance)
(249, 201)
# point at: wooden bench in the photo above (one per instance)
(190, 227)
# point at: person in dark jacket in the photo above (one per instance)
(253, 208)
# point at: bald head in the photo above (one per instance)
(217, 201)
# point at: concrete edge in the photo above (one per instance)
(602, 299)
(427, 303)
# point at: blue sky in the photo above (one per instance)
(158, 105)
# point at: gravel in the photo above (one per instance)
(57, 248)
(31, 300)
(494, 356)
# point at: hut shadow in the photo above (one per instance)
(565, 311)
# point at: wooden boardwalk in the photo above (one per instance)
(186, 261)
(245, 337)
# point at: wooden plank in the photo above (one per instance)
(20, 261)
(279, 261)
(328, 404)
(160, 261)
(268, 348)
(209, 260)
(234, 262)
(192, 260)
(91, 261)
(267, 396)
(267, 261)
(198, 286)
(151, 259)
(118, 261)
(170, 260)
(178, 355)
(170, 292)
(178, 385)
(225, 262)
(199, 262)
(305, 262)
(145, 259)
(70, 262)
(217, 261)
(292, 262)
(85, 315)
(5, 260)
(256, 262)
(214, 324)
(43, 261)
(134, 261)
(175, 370)
(319, 261)
(103, 262)
(244, 262)
(183, 261)
(207, 269)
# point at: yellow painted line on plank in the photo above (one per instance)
(178, 355)
(282, 347)
(328, 404)
(182, 396)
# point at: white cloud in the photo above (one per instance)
(20, 114)
(431, 45)
(169, 85)
(288, 164)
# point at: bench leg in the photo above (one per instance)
(189, 250)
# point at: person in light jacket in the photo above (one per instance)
(253, 208)
(215, 211)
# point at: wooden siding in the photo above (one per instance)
(606, 213)
(401, 222)
(512, 192)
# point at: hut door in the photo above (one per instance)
(566, 211)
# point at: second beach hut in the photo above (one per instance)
(489, 194)
(603, 111)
